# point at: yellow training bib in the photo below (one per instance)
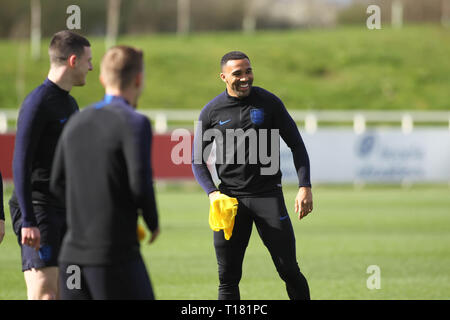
(222, 212)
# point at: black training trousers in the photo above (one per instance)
(128, 280)
(275, 229)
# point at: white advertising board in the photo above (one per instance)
(338, 155)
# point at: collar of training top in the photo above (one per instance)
(252, 90)
(53, 85)
(108, 98)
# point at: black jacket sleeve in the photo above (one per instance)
(290, 134)
(30, 125)
(137, 152)
(202, 149)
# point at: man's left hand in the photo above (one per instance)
(303, 202)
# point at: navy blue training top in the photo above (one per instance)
(102, 170)
(42, 117)
(258, 111)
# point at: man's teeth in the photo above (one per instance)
(244, 85)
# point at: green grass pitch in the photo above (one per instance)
(342, 68)
(406, 232)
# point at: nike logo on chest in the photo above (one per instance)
(221, 123)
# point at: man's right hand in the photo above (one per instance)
(31, 237)
(213, 195)
(154, 235)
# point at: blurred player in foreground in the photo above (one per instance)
(242, 108)
(38, 218)
(103, 171)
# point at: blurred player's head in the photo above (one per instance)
(237, 73)
(72, 51)
(122, 72)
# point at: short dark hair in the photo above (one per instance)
(64, 44)
(233, 55)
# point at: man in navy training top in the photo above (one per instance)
(102, 169)
(244, 108)
(38, 218)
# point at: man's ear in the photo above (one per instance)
(72, 60)
(222, 76)
(102, 81)
(139, 79)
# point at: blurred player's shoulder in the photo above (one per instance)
(127, 112)
(116, 111)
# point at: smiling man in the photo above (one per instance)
(38, 218)
(245, 108)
